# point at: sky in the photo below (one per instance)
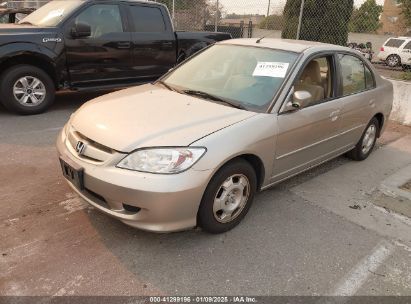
(260, 6)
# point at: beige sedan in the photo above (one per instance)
(193, 148)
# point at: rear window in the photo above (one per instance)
(147, 19)
(394, 43)
(407, 46)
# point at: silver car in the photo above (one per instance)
(193, 148)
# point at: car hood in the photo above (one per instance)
(150, 116)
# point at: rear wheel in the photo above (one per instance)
(26, 90)
(228, 197)
(367, 142)
(393, 61)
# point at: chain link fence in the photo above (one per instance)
(364, 24)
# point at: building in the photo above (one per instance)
(238, 21)
(25, 3)
(392, 20)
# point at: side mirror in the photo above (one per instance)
(81, 30)
(299, 100)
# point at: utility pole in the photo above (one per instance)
(268, 10)
(300, 20)
(174, 9)
(216, 16)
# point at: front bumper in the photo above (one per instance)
(165, 203)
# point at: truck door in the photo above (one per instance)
(105, 55)
(153, 40)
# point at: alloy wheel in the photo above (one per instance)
(29, 91)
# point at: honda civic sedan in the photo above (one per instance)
(193, 148)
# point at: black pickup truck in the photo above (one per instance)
(89, 45)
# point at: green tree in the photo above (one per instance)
(323, 20)
(406, 11)
(366, 19)
(273, 22)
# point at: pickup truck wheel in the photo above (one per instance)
(26, 90)
(228, 197)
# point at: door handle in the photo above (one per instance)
(123, 45)
(335, 115)
(167, 45)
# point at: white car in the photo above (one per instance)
(396, 51)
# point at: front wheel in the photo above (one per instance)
(367, 142)
(26, 90)
(228, 197)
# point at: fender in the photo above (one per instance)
(54, 60)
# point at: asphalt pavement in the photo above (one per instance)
(302, 237)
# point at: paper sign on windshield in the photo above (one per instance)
(271, 69)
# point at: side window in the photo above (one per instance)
(369, 79)
(147, 19)
(317, 79)
(396, 43)
(102, 18)
(407, 46)
(356, 76)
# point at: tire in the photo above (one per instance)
(393, 61)
(18, 95)
(226, 187)
(366, 145)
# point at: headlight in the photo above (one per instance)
(162, 160)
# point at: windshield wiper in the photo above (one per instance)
(213, 97)
(25, 22)
(167, 86)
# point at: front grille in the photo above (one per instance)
(93, 151)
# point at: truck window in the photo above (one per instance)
(147, 19)
(103, 19)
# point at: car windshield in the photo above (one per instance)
(242, 76)
(52, 13)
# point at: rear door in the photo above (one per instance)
(104, 56)
(154, 45)
(356, 93)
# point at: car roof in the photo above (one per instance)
(297, 46)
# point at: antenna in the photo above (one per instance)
(259, 40)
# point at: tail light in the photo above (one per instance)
(382, 49)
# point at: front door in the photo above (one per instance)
(105, 56)
(357, 82)
(310, 135)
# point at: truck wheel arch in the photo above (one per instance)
(35, 59)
